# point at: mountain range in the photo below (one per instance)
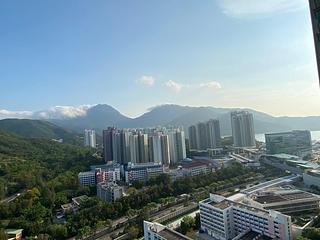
(101, 116)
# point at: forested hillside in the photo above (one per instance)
(45, 172)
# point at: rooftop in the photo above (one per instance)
(283, 196)
(195, 163)
(228, 203)
(13, 231)
(285, 156)
(80, 199)
(172, 235)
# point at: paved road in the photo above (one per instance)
(12, 197)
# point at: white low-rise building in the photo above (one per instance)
(109, 191)
(87, 178)
(142, 171)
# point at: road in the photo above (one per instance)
(12, 197)
(175, 224)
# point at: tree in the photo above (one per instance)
(133, 232)
(83, 232)
(312, 233)
(187, 224)
(58, 231)
(197, 221)
(3, 234)
(302, 238)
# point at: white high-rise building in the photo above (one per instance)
(243, 129)
(89, 138)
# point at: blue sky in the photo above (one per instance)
(134, 54)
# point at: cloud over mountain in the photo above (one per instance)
(57, 112)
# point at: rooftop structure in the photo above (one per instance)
(274, 182)
(312, 178)
(156, 231)
(287, 201)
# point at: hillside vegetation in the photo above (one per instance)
(40, 129)
(25, 163)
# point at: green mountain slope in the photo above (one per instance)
(40, 129)
(25, 163)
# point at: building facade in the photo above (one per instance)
(87, 178)
(109, 191)
(315, 19)
(107, 137)
(205, 135)
(296, 142)
(224, 219)
(89, 138)
(243, 129)
(142, 171)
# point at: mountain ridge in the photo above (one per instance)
(101, 116)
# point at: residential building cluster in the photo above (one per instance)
(205, 135)
(156, 145)
(242, 126)
(100, 173)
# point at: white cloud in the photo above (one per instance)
(174, 86)
(63, 112)
(14, 114)
(211, 85)
(249, 8)
(177, 87)
(147, 80)
(57, 112)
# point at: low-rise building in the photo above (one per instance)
(109, 191)
(196, 167)
(75, 204)
(142, 171)
(287, 201)
(224, 219)
(87, 178)
(288, 162)
(156, 231)
(13, 234)
(100, 173)
(295, 142)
